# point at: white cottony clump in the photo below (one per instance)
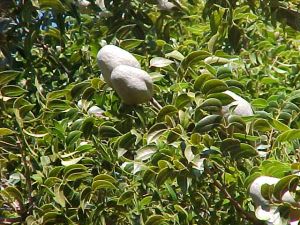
(255, 189)
(83, 143)
(265, 209)
(165, 5)
(83, 6)
(83, 104)
(269, 214)
(242, 107)
(83, 3)
(111, 56)
(96, 111)
(133, 85)
(79, 104)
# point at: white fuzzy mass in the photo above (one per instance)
(242, 107)
(111, 56)
(133, 85)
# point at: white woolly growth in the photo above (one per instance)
(165, 5)
(95, 110)
(133, 85)
(265, 209)
(111, 56)
(242, 107)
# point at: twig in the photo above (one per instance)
(27, 175)
(248, 216)
(10, 220)
(155, 104)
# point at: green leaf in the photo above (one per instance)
(145, 152)
(289, 135)
(155, 132)
(169, 110)
(156, 220)
(275, 168)
(13, 194)
(211, 105)
(53, 4)
(79, 88)
(85, 195)
(194, 57)
(57, 94)
(160, 62)
(181, 210)
(214, 86)
(247, 151)
(7, 76)
(224, 72)
(259, 103)
(279, 125)
(245, 137)
(230, 145)
(212, 41)
(249, 180)
(182, 100)
(163, 175)
(58, 104)
(262, 125)
(87, 126)
(75, 172)
(237, 122)
(6, 131)
(102, 184)
(288, 183)
(130, 43)
(175, 55)
(266, 191)
(215, 60)
(126, 198)
(105, 177)
(174, 134)
(78, 176)
(71, 161)
(51, 181)
(208, 123)
(156, 76)
(126, 140)
(59, 195)
(76, 167)
(53, 218)
(88, 93)
(72, 137)
(35, 135)
(224, 98)
(12, 91)
(108, 131)
(201, 80)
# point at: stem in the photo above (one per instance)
(10, 220)
(248, 216)
(155, 104)
(27, 174)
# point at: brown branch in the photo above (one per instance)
(10, 220)
(155, 104)
(248, 216)
(27, 175)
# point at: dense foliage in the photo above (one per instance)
(178, 160)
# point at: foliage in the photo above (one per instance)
(184, 163)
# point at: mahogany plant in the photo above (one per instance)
(71, 152)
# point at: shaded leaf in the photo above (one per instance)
(160, 62)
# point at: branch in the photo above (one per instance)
(248, 216)
(155, 104)
(27, 174)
